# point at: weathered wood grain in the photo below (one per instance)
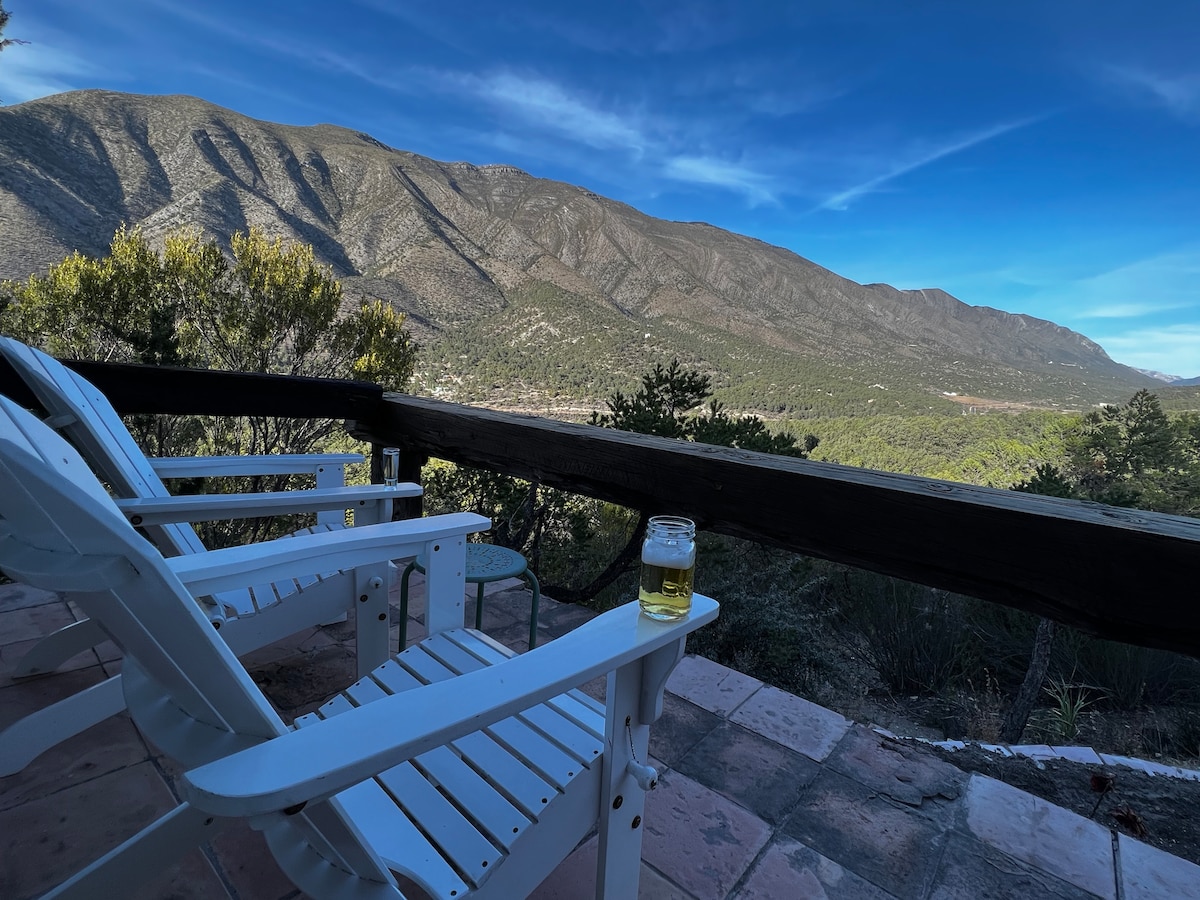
(1117, 573)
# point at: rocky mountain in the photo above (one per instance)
(522, 290)
(1160, 376)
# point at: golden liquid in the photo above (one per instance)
(665, 592)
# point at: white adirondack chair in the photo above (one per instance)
(250, 616)
(453, 764)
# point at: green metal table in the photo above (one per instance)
(485, 563)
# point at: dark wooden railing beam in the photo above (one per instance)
(1121, 574)
(209, 392)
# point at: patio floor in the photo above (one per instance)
(764, 795)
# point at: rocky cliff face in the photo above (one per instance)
(453, 243)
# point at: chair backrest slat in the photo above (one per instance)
(82, 413)
(56, 520)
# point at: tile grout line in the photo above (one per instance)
(1118, 881)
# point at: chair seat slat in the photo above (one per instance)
(398, 841)
(525, 787)
(502, 821)
(395, 678)
(453, 655)
(567, 735)
(585, 711)
(263, 596)
(450, 831)
(365, 690)
(539, 753)
(421, 663)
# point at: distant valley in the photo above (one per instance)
(527, 293)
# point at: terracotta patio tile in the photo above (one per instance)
(792, 721)
(32, 622)
(105, 747)
(700, 840)
(711, 685)
(789, 869)
(1148, 873)
(497, 615)
(192, 878)
(305, 641)
(598, 688)
(247, 863)
(905, 773)
(759, 774)
(20, 596)
(870, 835)
(681, 727)
(1041, 834)
(972, 869)
(305, 682)
(12, 654)
(575, 879)
(561, 618)
(55, 836)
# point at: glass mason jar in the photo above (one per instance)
(668, 564)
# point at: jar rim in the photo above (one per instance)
(672, 523)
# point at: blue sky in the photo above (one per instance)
(1039, 157)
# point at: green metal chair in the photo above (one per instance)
(485, 563)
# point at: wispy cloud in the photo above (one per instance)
(1180, 95)
(843, 199)
(254, 86)
(549, 106)
(298, 47)
(1130, 310)
(1174, 350)
(38, 69)
(1161, 283)
(757, 187)
(552, 108)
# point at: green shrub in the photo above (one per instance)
(915, 636)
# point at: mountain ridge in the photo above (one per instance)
(455, 245)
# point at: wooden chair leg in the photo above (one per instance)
(56, 648)
(26, 739)
(120, 871)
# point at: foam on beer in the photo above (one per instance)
(669, 557)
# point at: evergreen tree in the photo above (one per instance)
(4, 17)
(267, 307)
(1047, 481)
(6, 42)
(1130, 455)
(664, 406)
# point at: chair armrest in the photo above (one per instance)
(319, 760)
(235, 567)
(221, 466)
(214, 507)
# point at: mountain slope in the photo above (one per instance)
(514, 282)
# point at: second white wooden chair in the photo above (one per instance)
(249, 617)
